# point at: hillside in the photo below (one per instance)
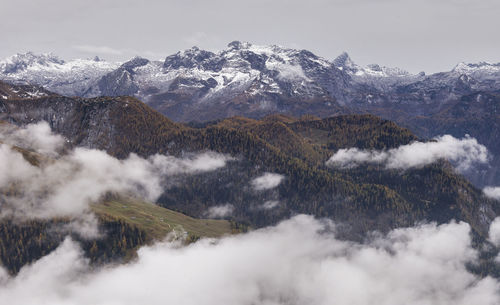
(127, 224)
(364, 198)
(156, 222)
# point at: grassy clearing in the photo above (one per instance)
(158, 221)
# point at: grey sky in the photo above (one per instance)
(417, 35)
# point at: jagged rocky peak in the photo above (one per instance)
(465, 68)
(243, 56)
(344, 62)
(135, 62)
(388, 71)
(121, 80)
(190, 58)
(275, 58)
(464, 82)
(21, 61)
(238, 45)
(375, 67)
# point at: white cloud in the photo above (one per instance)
(267, 181)
(202, 162)
(270, 204)
(297, 262)
(65, 185)
(464, 152)
(492, 192)
(494, 233)
(37, 137)
(220, 211)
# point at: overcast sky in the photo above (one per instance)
(417, 35)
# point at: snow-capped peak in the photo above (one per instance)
(344, 62)
(135, 62)
(469, 68)
(48, 70)
(22, 61)
(190, 58)
(257, 49)
(387, 71)
(268, 51)
(238, 45)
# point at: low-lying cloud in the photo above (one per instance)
(492, 192)
(267, 181)
(299, 261)
(463, 152)
(494, 232)
(37, 137)
(220, 211)
(270, 204)
(65, 185)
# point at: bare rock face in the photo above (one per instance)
(80, 121)
(121, 81)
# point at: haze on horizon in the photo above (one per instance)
(424, 35)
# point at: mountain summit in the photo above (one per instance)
(22, 61)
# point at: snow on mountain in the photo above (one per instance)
(242, 67)
(376, 70)
(464, 78)
(483, 67)
(68, 78)
(8, 91)
(248, 77)
(345, 63)
(21, 62)
(379, 77)
(487, 75)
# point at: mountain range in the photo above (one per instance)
(195, 85)
(262, 77)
